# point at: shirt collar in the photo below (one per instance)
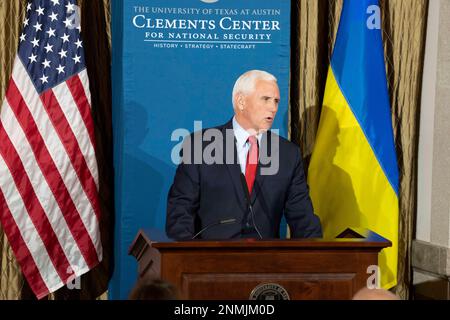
(241, 134)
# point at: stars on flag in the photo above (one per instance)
(32, 58)
(70, 7)
(77, 59)
(68, 22)
(40, 11)
(62, 53)
(44, 79)
(51, 40)
(51, 32)
(38, 26)
(46, 63)
(65, 38)
(79, 43)
(48, 48)
(53, 16)
(60, 69)
(35, 42)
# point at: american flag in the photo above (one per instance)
(49, 204)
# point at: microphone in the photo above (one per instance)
(220, 222)
(249, 203)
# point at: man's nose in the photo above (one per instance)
(273, 106)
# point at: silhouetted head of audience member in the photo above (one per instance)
(374, 294)
(154, 289)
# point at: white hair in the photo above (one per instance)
(246, 83)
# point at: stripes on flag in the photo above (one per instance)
(353, 173)
(48, 171)
(21, 242)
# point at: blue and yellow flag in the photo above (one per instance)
(353, 175)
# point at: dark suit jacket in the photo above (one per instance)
(203, 194)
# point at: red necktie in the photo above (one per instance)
(252, 163)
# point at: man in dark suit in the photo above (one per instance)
(238, 179)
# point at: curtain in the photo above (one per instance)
(315, 26)
(11, 17)
(95, 18)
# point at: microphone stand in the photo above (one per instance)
(249, 204)
(220, 222)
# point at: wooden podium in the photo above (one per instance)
(233, 270)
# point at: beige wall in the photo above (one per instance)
(431, 253)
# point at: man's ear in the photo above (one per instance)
(240, 102)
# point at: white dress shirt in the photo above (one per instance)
(242, 144)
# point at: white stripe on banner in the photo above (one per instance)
(72, 113)
(26, 227)
(58, 153)
(42, 190)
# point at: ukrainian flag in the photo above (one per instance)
(353, 175)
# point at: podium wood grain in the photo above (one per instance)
(230, 270)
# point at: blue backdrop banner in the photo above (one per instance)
(174, 66)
